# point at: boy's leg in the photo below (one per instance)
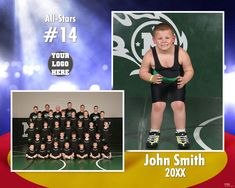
(156, 122)
(178, 108)
(157, 115)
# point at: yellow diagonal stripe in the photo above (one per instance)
(136, 174)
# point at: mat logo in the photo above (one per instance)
(132, 35)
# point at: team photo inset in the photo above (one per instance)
(67, 131)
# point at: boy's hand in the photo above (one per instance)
(180, 82)
(157, 79)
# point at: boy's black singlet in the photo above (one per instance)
(167, 91)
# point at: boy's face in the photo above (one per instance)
(86, 114)
(35, 109)
(102, 114)
(63, 113)
(47, 107)
(81, 146)
(39, 115)
(51, 113)
(45, 125)
(91, 124)
(106, 124)
(73, 136)
(31, 125)
(55, 144)
(66, 145)
(95, 145)
(97, 136)
(105, 147)
(56, 124)
(31, 147)
(37, 136)
(57, 108)
(79, 124)
(73, 114)
(164, 39)
(82, 108)
(68, 123)
(61, 135)
(43, 147)
(87, 135)
(96, 109)
(69, 105)
(49, 137)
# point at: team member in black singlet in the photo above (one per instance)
(31, 153)
(42, 153)
(55, 151)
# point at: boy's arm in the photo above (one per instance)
(187, 68)
(144, 70)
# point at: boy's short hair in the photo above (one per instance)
(162, 27)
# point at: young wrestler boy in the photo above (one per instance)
(80, 114)
(106, 133)
(56, 130)
(106, 153)
(74, 141)
(100, 121)
(55, 151)
(38, 122)
(50, 120)
(34, 114)
(95, 153)
(67, 152)
(92, 130)
(69, 110)
(86, 120)
(45, 131)
(81, 152)
(61, 141)
(98, 140)
(31, 132)
(63, 120)
(57, 112)
(73, 120)
(87, 142)
(68, 130)
(45, 113)
(168, 61)
(95, 115)
(42, 153)
(31, 153)
(80, 130)
(49, 143)
(37, 142)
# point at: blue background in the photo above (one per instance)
(92, 52)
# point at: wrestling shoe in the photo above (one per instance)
(152, 141)
(182, 140)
